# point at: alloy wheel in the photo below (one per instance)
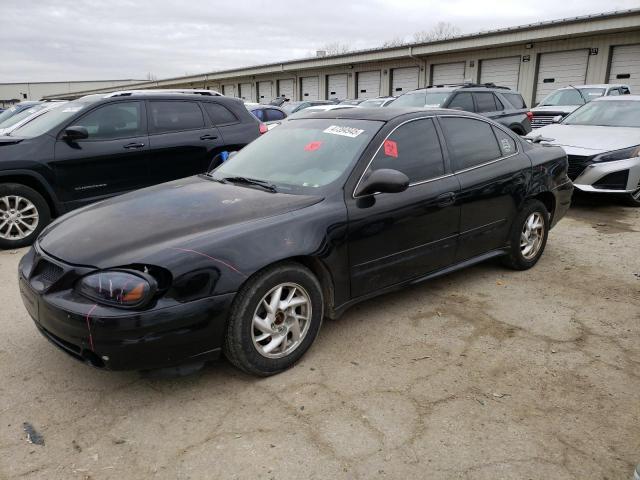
(532, 235)
(281, 320)
(18, 217)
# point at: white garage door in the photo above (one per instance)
(503, 72)
(246, 91)
(448, 74)
(336, 86)
(625, 67)
(285, 87)
(404, 80)
(560, 69)
(229, 90)
(368, 84)
(265, 92)
(309, 88)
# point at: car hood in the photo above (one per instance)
(589, 139)
(557, 109)
(128, 228)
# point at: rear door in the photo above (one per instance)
(493, 176)
(114, 159)
(180, 141)
(394, 237)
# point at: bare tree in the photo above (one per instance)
(441, 31)
(394, 42)
(336, 48)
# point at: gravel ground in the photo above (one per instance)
(484, 374)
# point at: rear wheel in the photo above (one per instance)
(274, 319)
(528, 237)
(23, 215)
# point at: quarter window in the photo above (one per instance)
(219, 114)
(175, 116)
(507, 144)
(413, 149)
(485, 102)
(115, 120)
(470, 142)
(515, 99)
(462, 101)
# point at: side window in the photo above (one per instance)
(625, 91)
(515, 99)
(413, 149)
(507, 144)
(485, 102)
(115, 120)
(462, 101)
(273, 114)
(259, 114)
(470, 142)
(614, 91)
(174, 116)
(219, 114)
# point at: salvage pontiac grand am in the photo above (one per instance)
(322, 213)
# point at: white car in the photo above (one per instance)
(25, 116)
(602, 141)
(304, 112)
(563, 101)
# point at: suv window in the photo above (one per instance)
(507, 144)
(174, 116)
(625, 90)
(462, 101)
(614, 91)
(515, 99)
(219, 114)
(470, 142)
(485, 102)
(413, 149)
(273, 114)
(114, 120)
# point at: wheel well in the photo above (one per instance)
(324, 277)
(34, 183)
(548, 200)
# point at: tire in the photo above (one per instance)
(632, 199)
(519, 258)
(23, 215)
(249, 345)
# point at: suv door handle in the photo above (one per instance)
(133, 145)
(208, 137)
(446, 199)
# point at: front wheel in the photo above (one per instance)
(23, 215)
(528, 236)
(274, 319)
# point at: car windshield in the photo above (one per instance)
(572, 96)
(9, 112)
(46, 122)
(290, 106)
(421, 99)
(614, 113)
(18, 117)
(302, 156)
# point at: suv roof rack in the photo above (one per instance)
(469, 85)
(151, 91)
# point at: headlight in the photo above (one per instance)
(123, 288)
(618, 154)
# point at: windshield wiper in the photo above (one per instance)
(252, 181)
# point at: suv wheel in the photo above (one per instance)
(23, 215)
(528, 236)
(274, 319)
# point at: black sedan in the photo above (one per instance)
(319, 214)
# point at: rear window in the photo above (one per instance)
(219, 114)
(515, 99)
(175, 116)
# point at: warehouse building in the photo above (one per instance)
(534, 59)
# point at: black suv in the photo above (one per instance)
(501, 104)
(104, 145)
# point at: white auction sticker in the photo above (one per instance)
(344, 131)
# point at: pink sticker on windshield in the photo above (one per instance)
(312, 146)
(391, 148)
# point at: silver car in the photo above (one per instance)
(602, 141)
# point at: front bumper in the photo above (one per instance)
(116, 339)
(619, 176)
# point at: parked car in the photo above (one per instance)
(316, 216)
(501, 104)
(17, 108)
(377, 102)
(563, 101)
(279, 101)
(293, 107)
(26, 115)
(268, 114)
(104, 145)
(308, 110)
(602, 140)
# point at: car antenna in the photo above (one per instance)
(580, 92)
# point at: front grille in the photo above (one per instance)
(541, 120)
(577, 164)
(47, 273)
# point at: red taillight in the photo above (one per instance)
(263, 128)
(530, 115)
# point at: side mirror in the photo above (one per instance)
(384, 180)
(75, 133)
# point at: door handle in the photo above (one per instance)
(208, 137)
(446, 199)
(133, 145)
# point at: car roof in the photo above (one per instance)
(596, 85)
(379, 114)
(618, 98)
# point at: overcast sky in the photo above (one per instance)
(52, 40)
